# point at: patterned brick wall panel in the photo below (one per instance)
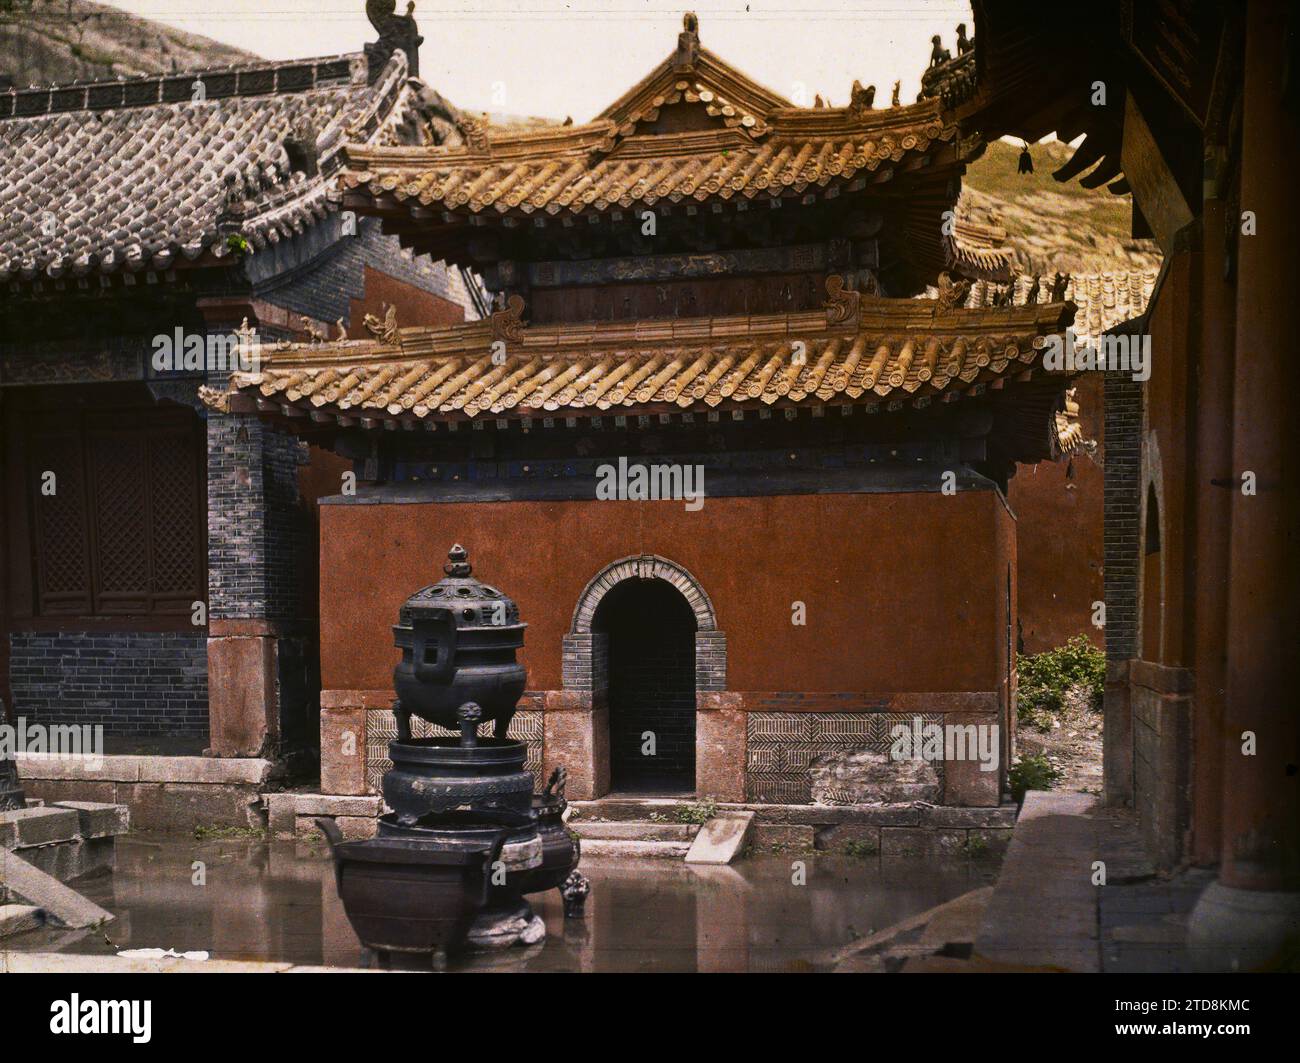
(782, 747)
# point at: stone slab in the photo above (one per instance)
(328, 804)
(847, 958)
(947, 816)
(98, 819)
(1043, 913)
(721, 839)
(61, 903)
(36, 826)
(285, 809)
(235, 770)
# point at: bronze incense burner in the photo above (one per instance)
(466, 837)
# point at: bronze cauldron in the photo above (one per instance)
(458, 639)
(402, 894)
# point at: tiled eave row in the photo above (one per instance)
(572, 176)
(889, 354)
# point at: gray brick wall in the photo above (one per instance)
(324, 289)
(1122, 499)
(256, 530)
(134, 683)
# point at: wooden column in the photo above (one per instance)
(1250, 917)
(1212, 499)
(1261, 813)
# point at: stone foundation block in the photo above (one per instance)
(720, 742)
(343, 750)
(181, 808)
(36, 826)
(284, 810)
(907, 841)
(577, 737)
(96, 819)
(784, 836)
(844, 836)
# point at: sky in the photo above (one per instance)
(552, 59)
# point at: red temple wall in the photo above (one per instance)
(1168, 443)
(414, 305)
(904, 592)
(1059, 513)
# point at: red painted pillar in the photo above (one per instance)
(1213, 502)
(1250, 918)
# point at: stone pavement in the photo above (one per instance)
(1046, 913)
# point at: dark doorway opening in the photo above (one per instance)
(651, 632)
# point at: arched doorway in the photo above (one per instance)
(649, 628)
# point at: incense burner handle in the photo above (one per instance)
(433, 647)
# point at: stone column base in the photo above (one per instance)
(1243, 930)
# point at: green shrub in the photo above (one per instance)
(1044, 679)
(699, 813)
(1032, 772)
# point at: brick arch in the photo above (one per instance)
(642, 566)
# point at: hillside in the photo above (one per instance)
(44, 41)
(1053, 225)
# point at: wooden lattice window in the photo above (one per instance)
(122, 534)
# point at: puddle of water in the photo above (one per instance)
(250, 900)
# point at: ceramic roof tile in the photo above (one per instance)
(742, 141)
(894, 350)
(141, 176)
(1103, 300)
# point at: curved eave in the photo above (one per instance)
(895, 354)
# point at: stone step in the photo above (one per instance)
(627, 808)
(19, 918)
(622, 847)
(632, 830)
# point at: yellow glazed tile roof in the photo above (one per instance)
(695, 128)
(861, 350)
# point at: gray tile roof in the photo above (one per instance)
(132, 174)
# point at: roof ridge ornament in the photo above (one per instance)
(396, 33)
(688, 43)
(843, 302)
(952, 294)
(507, 324)
(386, 329)
(862, 100)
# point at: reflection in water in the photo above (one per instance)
(250, 900)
